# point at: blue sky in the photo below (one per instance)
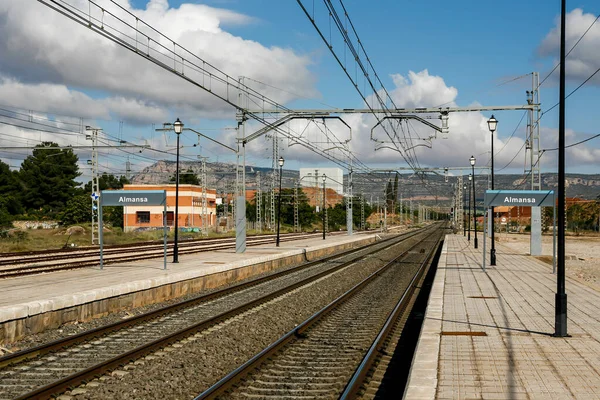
(463, 54)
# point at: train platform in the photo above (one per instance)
(489, 335)
(32, 304)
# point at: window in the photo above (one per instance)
(142, 217)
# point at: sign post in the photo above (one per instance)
(132, 198)
(525, 198)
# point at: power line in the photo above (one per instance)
(574, 144)
(510, 137)
(513, 159)
(569, 95)
(486, 90)
(575, 45)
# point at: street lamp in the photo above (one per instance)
(281, 161)
(464, 206)
(178, 126)
(469, 218)
(472, 161)
(492, 123)
(324, 178)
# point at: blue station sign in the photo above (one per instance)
(523, 198)
(133, 197)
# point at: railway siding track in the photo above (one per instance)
(316, 359)
(77, 359)
(30, 264)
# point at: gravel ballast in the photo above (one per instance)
(184, 370)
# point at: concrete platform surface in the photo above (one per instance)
(488, 335)
(37, 294)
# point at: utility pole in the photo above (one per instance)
(385, 216)
(127, 169)
(362, 212)
(317, 191)
(274, 179)
(95, 182)
(401, 210)
(296, 204)
(204, 213)
(533, 146)
(349, 219)
(258, 201)
(232, 189)
(560, 308)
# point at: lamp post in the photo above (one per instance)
(492, 123)
(464, 206)
(469, 218)
(178, 127)
(472, 161)
(324, 178)
(281, 161)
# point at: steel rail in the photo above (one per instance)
(51, 254)
(152, 254)
(84, 336)
(82, 376)
(358, 378)
(236, 375)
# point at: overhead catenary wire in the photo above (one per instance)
(161, 55)
(366, 68)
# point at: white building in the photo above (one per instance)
(334, 178)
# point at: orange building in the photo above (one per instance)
(190, 208)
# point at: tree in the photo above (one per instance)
(336, 217)
(111, 215)
(10, 203)
(77, 210)
(106, 182)
(251, 211)
(356, 210)
(8, 179)
(47, 178)
(389, 194)
(186, 178)
(5, 218)
(306, 213)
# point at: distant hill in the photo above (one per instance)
(428, 189)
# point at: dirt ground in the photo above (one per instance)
(582, 254)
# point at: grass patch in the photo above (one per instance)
(48, 239)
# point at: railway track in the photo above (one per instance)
(331, 354)
(16, 264)
(49, 369)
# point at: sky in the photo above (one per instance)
(57, 76)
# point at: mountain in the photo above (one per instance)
(430, 188)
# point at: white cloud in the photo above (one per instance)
(135, 111)
(51, 98)
(576, 157)
(422, 89)
(38, 45)
(469, 134)
(584, 60)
